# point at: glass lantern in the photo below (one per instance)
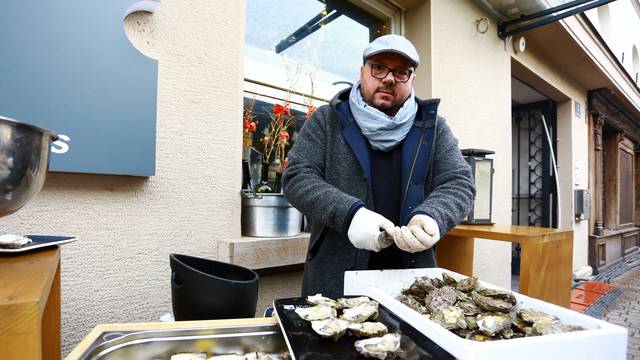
(482, 170)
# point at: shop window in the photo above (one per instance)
(302, 52)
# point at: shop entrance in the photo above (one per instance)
(534, 133)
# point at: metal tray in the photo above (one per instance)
(161, 344)
(305, 344)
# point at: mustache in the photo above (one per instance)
(386, 87)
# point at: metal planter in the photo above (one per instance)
(269, 215)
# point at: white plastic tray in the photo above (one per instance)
(601, 340)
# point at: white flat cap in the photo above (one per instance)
(393, 44)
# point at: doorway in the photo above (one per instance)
(534, 153)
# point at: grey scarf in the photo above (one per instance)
(384, 132)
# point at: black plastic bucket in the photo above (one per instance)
(203, 289)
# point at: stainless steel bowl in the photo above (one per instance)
(24, 160)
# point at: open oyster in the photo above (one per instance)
(330, 328)
(493, 323)
(318, 299)
(12, 241)
(361, 313)
(368, 329)
(379, 347)
(318, 312)
(353, 302)
(450, 317)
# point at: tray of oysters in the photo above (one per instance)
(354, 327)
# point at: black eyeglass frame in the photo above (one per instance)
(389, 70)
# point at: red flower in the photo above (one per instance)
(310, 110)
(284, 136)
(279, 110)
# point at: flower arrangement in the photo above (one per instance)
(249, 128)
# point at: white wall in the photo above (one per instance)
(471, 74)
(619, 25)
(119, 270)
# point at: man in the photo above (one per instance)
(376, 164)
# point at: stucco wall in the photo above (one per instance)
(119, 270)
(471, 74)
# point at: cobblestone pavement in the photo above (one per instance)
(626, 310)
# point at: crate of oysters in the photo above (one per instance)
(472, 319)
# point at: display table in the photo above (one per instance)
(30, 305)
(546, 261)
(204, 324)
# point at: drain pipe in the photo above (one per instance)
(555, 168)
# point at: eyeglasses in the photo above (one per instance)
(380, 71)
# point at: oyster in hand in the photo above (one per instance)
(368, 329)
(318, 312)
(318, 299)
(379, 347)
(361, 313)
(330, 328)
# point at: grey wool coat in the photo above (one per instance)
(326, 178)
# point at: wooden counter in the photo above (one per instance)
(546, 263)
(204, 324)
(30, 305)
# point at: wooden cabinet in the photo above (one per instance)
(30, 305)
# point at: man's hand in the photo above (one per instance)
(366, 230)
(420, 234)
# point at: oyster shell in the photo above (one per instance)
(449, 280)
(468, 284)
(318, 312)
(420, 287)
(318, 299)
(536, 316)
(471, 322)
(411, 302)
(493, 323)
(330, 328)
(498, 294)
(368, 329)
(225, 357)
(361, 313)
(379, 347)
(450, 317)
(491, 304)
(443, 297)
(545, 328)
(462, 296)
(479, 336)
(469, 307)
(353, 302)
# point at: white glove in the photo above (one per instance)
(367, 230)
(420, 234)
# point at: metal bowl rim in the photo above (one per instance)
(47, 132)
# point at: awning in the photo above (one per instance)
(519, 16)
